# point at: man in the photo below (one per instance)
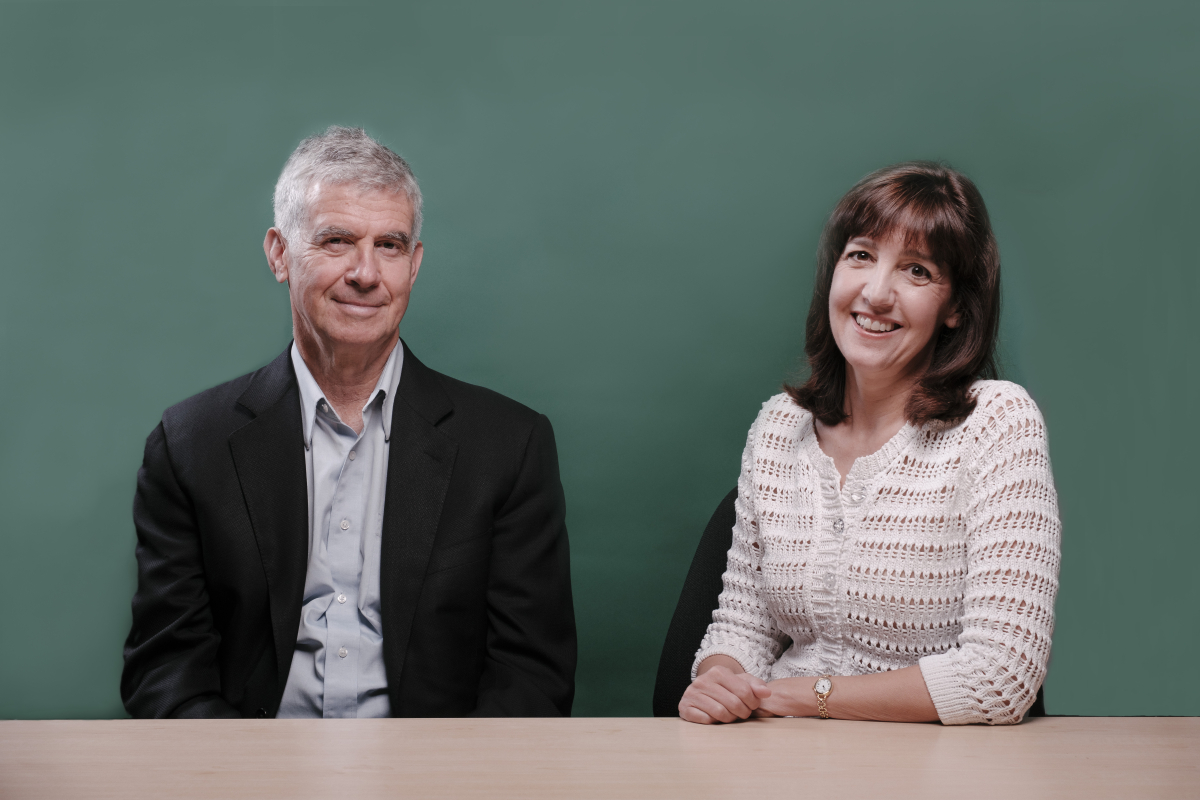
(345, 532)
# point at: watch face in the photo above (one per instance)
(823, 685)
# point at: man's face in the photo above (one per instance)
(350, 271)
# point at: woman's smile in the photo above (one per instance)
(874, 325)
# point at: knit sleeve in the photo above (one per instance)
(1013, 552)
(743, 627)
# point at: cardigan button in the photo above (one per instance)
(856, 497)
(839, 524)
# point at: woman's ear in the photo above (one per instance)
(953, 320)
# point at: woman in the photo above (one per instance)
(896, 550)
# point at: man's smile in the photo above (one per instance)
(360, 307)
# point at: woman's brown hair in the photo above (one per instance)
(939, 209)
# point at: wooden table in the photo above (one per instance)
(1085, 757)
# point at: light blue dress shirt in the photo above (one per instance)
(337, 668)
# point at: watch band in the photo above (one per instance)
(822, 688)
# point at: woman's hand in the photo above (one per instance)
(790, 697)
(896, 696)
(722, 692)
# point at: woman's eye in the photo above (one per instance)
(860, 255)
(919, 272)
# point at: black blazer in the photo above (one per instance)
(475, 585)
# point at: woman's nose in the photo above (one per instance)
(877, 291)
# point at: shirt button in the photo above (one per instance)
(324, 407)
(838, 524)
(343, 652)
(346, 525)
(341, 598)
(351, 455)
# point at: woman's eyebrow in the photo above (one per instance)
(907, 252)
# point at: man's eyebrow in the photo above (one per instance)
(402, 236)
(333, 230)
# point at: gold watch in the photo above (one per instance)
(822, 688)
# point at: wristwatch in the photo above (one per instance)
(822, 688)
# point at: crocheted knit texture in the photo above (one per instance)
(941, 549)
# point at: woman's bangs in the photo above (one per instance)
(924, 223)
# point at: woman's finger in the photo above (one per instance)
(709, 705)
(689, 713)
(747, 688)
(732, 702)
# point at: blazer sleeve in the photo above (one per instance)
(171, 652)
(531, 648)
(1013, 554)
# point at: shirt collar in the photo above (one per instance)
(311, 393)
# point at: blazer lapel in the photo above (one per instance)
(420, 463)
(268, 454)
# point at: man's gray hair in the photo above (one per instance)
(340, 156)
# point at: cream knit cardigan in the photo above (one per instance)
(942, 549)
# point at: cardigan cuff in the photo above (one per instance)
(953, 703)
(742, 658)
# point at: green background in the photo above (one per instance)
(623, 204)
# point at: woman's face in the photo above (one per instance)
(886, 306)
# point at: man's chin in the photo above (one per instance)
(359, 336)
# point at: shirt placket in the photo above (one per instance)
(345, 560)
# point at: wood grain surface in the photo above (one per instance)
(1051, 757)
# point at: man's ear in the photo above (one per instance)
(418, 254)
(275, 246)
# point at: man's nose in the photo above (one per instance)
(365, 272)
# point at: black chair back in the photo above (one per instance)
(693, 614)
